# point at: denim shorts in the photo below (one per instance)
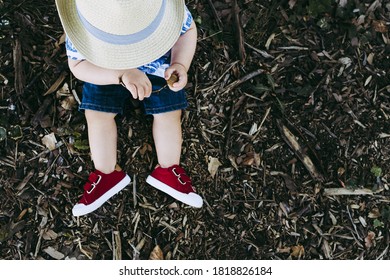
(112, 98)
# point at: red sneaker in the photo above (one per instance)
(99, 188)
(175, 182)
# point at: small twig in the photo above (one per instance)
(344, 191)
(383, 253)
(353, 224)
(239, 32)
(238, 82)
(25, 180)
(37, 248)
(229, 131)
(295, 48)
(261, 52)
(215, 14)
(212, 35)
(36, 120)
(261, 124)
(87, 254)
(19, 82)
(329, 131)
(220, 77)
(116, 245)
(57, 83)
(76, 96)
(134, 191)
(299, 151)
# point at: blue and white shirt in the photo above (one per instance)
(156, 67)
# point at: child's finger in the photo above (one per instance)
(133, 90)
(168, 73)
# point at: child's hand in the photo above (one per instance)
(137, 83)
(181, 72)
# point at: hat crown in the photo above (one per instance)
(119, 17)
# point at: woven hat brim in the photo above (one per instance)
(130, 56)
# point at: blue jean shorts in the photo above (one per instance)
(112, 98)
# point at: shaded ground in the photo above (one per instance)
(303, 109)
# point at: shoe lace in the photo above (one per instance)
(93, 181)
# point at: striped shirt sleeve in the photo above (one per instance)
(187, 21)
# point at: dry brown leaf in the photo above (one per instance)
(284, 250)
(213, 166)
(380, 26)
(291, 3)
(297, 251)
(140, 245)
(117, 245)
(248, 160)
(49, 141)
(63, 91)
(343, 3)
(69, 103)
(156, 254)
(374, 213)
(57, 83)
(340, 171)
(369, 241)
(145, 148)
(54, 253)
(49, 235)
(370, 58)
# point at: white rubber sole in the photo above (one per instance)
(191, 199)
(81, 209)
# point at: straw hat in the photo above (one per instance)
(122, 34)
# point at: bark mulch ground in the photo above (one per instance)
(287, 138)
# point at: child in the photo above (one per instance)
(123, 48)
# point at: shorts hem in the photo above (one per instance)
(166, 109)
(105, 109)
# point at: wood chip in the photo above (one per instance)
(156, 254)
(172, 79)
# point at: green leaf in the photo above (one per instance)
(377, 223)
(280, 105)
(323, 23)
(81, 144)
(271, 81)
(260, 88)
(198, 20)
(376, 171)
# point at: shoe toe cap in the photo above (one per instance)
(78, 209)
(195, 200)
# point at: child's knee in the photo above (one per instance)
(173, 115)
(97, 116)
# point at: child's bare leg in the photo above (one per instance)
(168, 137)
(102, 135)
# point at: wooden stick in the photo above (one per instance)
(18, 66)
(238, 82)
(214, 11)
(239, 32)
(291, 140)
(344, 191)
